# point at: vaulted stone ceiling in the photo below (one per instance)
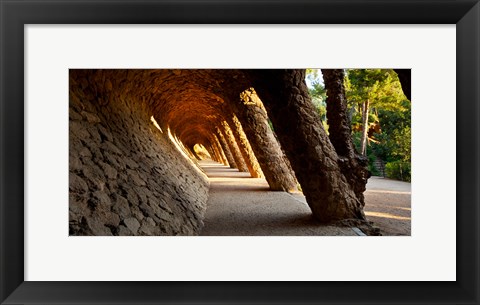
(189, 102)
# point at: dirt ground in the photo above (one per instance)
(388, 205)
(242, 206)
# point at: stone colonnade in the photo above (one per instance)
(249, 144)
(261, 122)
(290, 143)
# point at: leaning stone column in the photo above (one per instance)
(253, 117)
(244, 146)
(232, 144)
(311, 154)
(194, 153)
(354, 166)
(212, 153)
(226, 150)
(219, 150)
(405, 77)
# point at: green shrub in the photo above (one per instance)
(371, 167)
(398, 170)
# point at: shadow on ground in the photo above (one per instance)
(246, 207)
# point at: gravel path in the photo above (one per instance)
(242, 206)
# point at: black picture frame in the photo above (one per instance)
(15, 14)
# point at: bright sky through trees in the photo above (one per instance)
(313, 76)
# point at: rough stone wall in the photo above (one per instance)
(126, 176)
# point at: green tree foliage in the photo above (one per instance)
(380, 114)
(377, 106)
(368, 90)
(396, 134)
(380, 86)
(317, 91)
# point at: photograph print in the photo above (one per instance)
(237, 152)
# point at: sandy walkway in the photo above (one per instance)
(388, 205)
(240, 205)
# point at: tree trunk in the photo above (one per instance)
(311, 154)
(365, 109)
